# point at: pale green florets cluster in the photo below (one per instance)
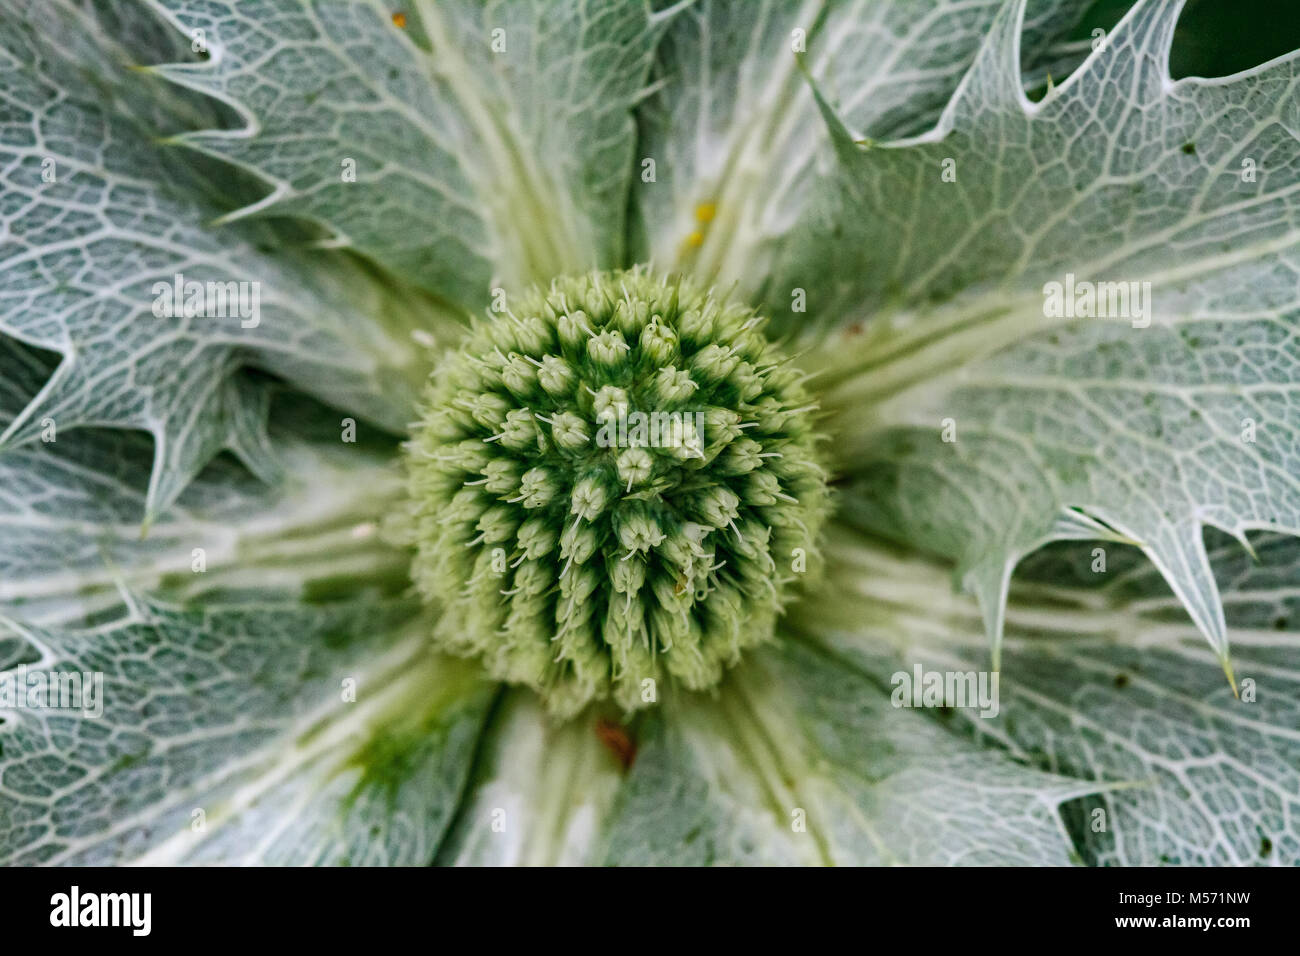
(613, 482)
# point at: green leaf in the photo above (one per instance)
(70, 515)
(1103, 679)
(1119, 174)
(95, 216)
(798, 759)
(227, 737)
(540, 795)
(490, 142)
(803, 760)
(733, 129)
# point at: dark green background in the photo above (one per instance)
(1217, 37)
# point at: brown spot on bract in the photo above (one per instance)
(616, 738)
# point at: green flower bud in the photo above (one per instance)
(607, 494)
(673, 386)
(518, 375)
(568, 430)
(610, 402)
(555, 376)
(608, 348)
(659, 342)
(519, 432)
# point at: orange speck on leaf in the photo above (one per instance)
(399, 20)
(616, 738)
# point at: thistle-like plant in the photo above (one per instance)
(636, 432)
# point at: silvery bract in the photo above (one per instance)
(965, 534)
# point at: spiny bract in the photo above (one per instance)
(614, 480)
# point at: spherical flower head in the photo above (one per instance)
(614, 482)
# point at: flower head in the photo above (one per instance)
(610, 485)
